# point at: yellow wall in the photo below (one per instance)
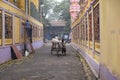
(16, 30)
(36, 3)
(18, 12)
(11, 1)
(21, 14)
(11, 9)
(22, 4)
(19, 3)
(95, 56)
(92, 53)
(110, 35)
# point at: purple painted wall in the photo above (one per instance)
(5, 54)
(102, 72)
(105, 74)
(37, 44)
(93, 65)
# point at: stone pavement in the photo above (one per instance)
(44, 66)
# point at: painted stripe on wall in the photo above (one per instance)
(93, 65)
(5, 54)
(105, 74)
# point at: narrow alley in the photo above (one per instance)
(86, 31)
(44, 66)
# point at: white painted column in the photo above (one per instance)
(85, 29)
(3, 28)
(13, 29)
(88, 29)
(20, 30)
(26, 1)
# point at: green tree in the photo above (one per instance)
(47, 7)
(54, 10)
(61, 11)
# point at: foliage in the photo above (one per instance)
(54, 10)
(62, 10)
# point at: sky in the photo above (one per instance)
(59, 0)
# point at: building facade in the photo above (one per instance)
(96, 35)
(13, 15)
(56, 28)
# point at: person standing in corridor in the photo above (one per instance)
(28, 30)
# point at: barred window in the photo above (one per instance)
(96, 24)
(86, 28)
(96, 18)
(90, 27)
(8, 26)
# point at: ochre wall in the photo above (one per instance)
(18, 12)
(22, 4)
(12, 10)
(110, 35)
(16, 30)
(95, 56)
(91, 55)
(36, 3)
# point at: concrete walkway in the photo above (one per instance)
(44, 66)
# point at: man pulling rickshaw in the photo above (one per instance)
(58, 45)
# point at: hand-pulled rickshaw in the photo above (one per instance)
(58, 47)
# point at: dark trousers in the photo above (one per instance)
(29, 33)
